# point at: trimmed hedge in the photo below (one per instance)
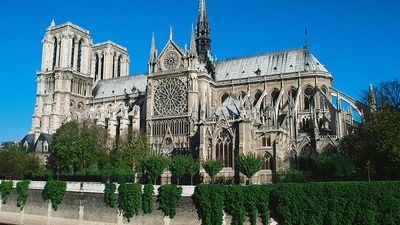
(22, 190)
(55, 192)
(109, 195)
(344, 203)
(5, 190)
(168, 197)
(147, 198)
(129, 200)
(238, 201)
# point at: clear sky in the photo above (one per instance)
(357, 40)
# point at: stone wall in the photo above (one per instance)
(83, 205)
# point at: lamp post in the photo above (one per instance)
(369, 170)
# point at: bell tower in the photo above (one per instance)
(63, 82)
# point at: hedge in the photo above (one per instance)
(5, 190)
(238, 201)
(340, 203)
(168, 197)
(55, 192)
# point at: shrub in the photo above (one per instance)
(154, 166)
(263, 202)
(251, 195)
(22, 190)
(249, 164)
(168, 197)
(209, 201)
(5, 190)
(193, 169)
(337, 203)
(147, 198)
(234, 204)
(54, 191)
(179, 166)
(212, 167)
(129, 199)
(109, 194)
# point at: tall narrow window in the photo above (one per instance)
(54, 53)
(274, 97)
(119, 66)
(102, 69)
(79, 56)
(73, 53)
(96, 67)
(224, 149)
(113, 68)
(267, 164)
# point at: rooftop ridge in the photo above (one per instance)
(259, 54)
(124, 77)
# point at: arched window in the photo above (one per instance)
(292, 94)
(257, 97)
(274, 97)
(224, 148)
(54, 52)
(308, 98)
(119, 66)
(113, 68)
(266, 141)
(224, 97)
(102, 69)
(79, 56)
(242, 94)
(96, 67)
(73, 52)
(268, 162)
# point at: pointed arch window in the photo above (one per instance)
(224, 97)
(308, 98)
(257, 97)
(96, 67)
(79, 56)
(54, 53)
(102, 69)
(268, 162)
(113, 68)
(119, 66)
(224, 148)
(274, 97)
(73, 52)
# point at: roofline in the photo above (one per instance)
(111, 43)
(260, 54)
(68, 24)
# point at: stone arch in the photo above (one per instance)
(224, 147)
(268, 163)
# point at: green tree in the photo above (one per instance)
(154, 166)
(179, 166)
(212, 167)
(249, 164)
(15, 163)
(193, 169)
(77, 146)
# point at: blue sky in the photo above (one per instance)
(357, 40)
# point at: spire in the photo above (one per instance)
(153, 50)
(371, 98)
(193, 50)
(52, 24)
(306, 44)
(170, 32)
(203, 40)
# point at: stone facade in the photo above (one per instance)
(280, 105)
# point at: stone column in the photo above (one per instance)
(76, 50)
(115, 65)
(57, 64)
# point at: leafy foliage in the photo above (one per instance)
(331, 166)
(5, 190)
(249, 164)
(129, 199)
(181, 165)
(109, 195)
(54, 191)
(209, 201)
(168, 197)
(22, 190)
(147, 198)
(253, 200)
(154, 166)
(15, 163)
(77, 146)
(212, 167)
(235, 204)
(376, 140)
(337, 203)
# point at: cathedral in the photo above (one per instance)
(279, 105)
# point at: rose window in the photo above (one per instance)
(170, 97)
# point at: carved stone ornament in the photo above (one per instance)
(170, 97)
(171, 60)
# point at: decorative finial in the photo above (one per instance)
(52, 24)
(170, 33)
(306, 45)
